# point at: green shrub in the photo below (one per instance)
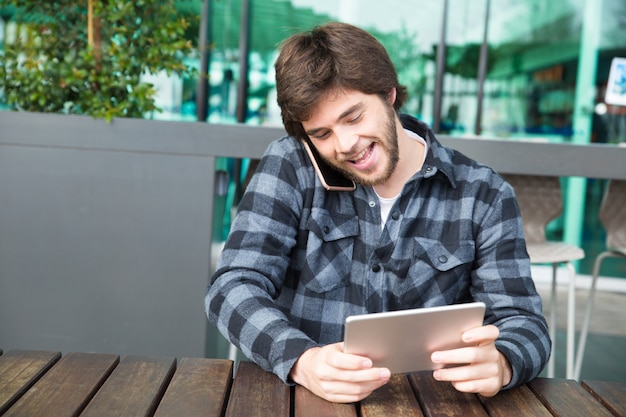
(53, 65)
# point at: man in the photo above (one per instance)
(425, 226)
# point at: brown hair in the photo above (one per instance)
(330, 57)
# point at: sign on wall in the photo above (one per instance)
(616, 86)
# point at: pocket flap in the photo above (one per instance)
(444, 255)
(329, 228)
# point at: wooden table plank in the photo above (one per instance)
(396, 398)
(519, 402)
(567, 398)
(257, 393)
(611, 394)
(134, 388)
(441, 399)
(199, 387)
(19, 370)
(67, 387)
(307, 404)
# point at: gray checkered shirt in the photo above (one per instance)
(300, 259)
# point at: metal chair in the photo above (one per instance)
(540, 201)
(613, 217)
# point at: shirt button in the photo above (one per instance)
(428, 169)
(395, 215)
(372, 203)
(326, 229)
(443, 259)
(376, 268)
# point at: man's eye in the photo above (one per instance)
(355, 119)
(322, 135)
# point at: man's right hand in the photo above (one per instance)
(336, 376)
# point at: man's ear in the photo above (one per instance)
(391, 96)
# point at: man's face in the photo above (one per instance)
(357, 134)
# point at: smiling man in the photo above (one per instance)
(423, 226)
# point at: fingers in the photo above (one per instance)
(486, 387)
(483, 349)
(348, 386)
(480, 335)
(471, 379)
(337, 376)
(485, 378)
(468, 355)
(336, 390)
(335, 357)
(480, 368)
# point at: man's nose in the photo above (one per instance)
(345, 140)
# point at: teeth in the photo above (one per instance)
(361, 155)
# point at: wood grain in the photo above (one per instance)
(19, 370)
(133, 389)
(67, 387)
(394, 399)
(199, 387)
(567, 398)
(611, 394)
(257, 393)
(519, 402)
(307, 404)
(441, 399)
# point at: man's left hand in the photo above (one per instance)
(480, 368)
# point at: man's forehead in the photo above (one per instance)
(337, 104)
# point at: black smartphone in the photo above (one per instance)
(331, 178)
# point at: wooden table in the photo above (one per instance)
(38, 383)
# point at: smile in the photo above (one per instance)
(361, 157)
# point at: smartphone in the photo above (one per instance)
(331, 178)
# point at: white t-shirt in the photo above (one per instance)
(387, 203)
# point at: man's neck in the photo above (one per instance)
(411, 160)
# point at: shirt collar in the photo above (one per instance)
(438, 159)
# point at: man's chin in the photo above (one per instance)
(367, 181)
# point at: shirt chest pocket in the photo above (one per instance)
(444, 256)
(439, 271)
(329, 252)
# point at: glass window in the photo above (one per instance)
(536, 86)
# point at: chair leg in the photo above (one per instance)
(571, 321)
(552, 323)
(590, 301)
(232, 352)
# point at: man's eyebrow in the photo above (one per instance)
(350, 110)
(314, 132)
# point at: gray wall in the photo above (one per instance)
(106, 228)
(105, 234)
(103, 251)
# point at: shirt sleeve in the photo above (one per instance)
(253, 264)
(502, 279)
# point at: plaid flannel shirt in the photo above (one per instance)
(300, 259)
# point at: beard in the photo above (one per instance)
(388, 142)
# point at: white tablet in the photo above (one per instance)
(404, 340)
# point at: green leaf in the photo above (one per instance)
(52, 68)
